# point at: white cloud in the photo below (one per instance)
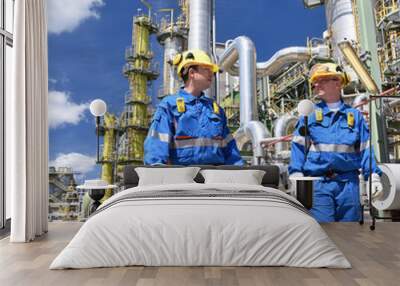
(52, 80)
(67, 15)
(63, 111)
(77, 161)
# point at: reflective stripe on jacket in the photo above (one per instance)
(337, 144)
(199, 135)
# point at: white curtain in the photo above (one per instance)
(26, 123)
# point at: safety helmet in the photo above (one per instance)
(327, 70)
(193, 58)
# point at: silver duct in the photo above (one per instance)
(341, 26)
(242, 49)
(200, 30)
(359, 99)
(283, 57)
(172, 46)
(200, 25)
(282, 128)
(290, 55)
(394, 103)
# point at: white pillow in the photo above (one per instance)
(166, 176)
(248, 177)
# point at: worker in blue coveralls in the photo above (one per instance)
(339, 148)
(189, 128)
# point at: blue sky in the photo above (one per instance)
(87, 40)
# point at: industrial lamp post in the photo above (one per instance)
(98, 108)
(304, 185)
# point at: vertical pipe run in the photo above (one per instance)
(341, 25)
(200, 25)
(172, 46)
(242, 49)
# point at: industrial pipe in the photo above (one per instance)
(284, 57)
(242, 49)
(290, 55)
(282, 126)
(200, 25)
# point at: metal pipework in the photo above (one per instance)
(360, 101)
(172, 46)
(394, 103)
(341, 26)
(242, 49)
(256, 132)
(282, 126)
(340, 22)
(290, 55)
(200, 25)
(148, 5)
(284, 57)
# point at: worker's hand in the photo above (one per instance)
(296, 175)
(377, 188)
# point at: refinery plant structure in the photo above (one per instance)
(260, 96)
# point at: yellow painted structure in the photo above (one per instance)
(139, 70)
(108, 156)
(107, 159)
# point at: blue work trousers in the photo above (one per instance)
(336, 200)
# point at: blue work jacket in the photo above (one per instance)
(194, 132)
(339, 143)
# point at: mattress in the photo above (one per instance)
(201, 225)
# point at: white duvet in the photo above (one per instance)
(265, 229)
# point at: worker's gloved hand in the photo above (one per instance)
(296, 175)
(377, 187)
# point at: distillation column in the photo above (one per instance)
(173, 37)
(108, 154)
(139, 70)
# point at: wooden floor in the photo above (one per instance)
(375, 257)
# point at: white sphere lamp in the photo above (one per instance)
(98, 107)
(305, 107)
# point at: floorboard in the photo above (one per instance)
(374, 255)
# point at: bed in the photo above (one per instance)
(201, 224)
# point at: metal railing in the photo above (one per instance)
(151, 22)
(383, 8)
(389, 53)
(132, 53)
(151, 69)
(130, 98)
(295, 74)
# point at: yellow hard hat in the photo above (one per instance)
(327, 70)
(193, 58)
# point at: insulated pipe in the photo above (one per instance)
(256, 132)
(290, 55)
(284, 57)
(282, 124)
(200, 25)
(172, 46)
(341, 25)
(394, 103)
(242, 49)
(390, 200)
(359, 100)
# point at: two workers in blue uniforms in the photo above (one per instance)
(189, 128)
(339, 148)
